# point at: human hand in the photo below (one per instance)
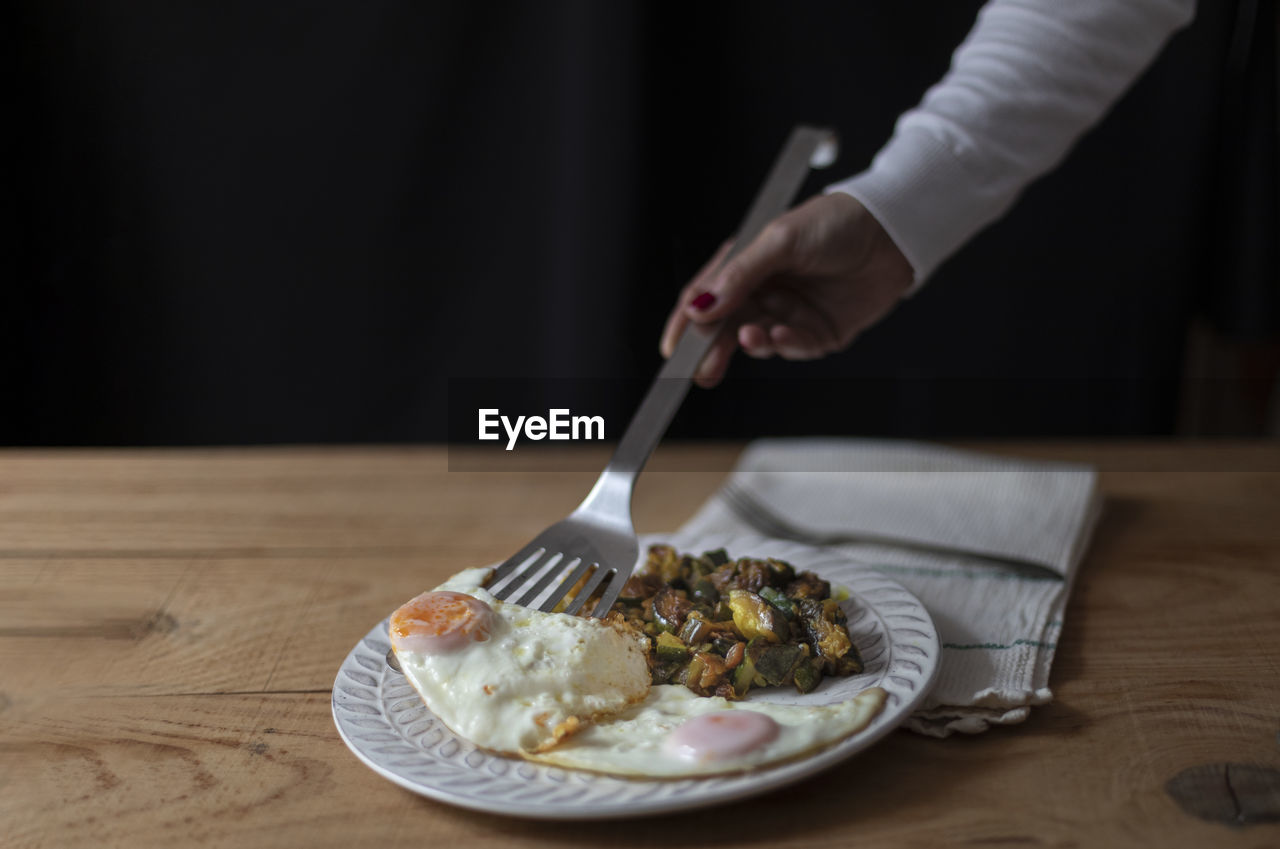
(813, 280)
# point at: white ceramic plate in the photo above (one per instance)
(384, 722)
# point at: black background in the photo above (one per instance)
(304, 222)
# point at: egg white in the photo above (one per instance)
(537, 679)
(631, 743)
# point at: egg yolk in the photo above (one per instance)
(720, 735)
(440, 622)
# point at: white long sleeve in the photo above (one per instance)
(1028, 80)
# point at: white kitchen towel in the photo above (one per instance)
(990, 545)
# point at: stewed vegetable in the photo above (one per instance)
(721, 626)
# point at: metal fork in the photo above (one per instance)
(597, 542)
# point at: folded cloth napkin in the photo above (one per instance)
(990, 545)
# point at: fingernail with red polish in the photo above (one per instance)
(704, 301)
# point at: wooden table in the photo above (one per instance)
(171, 623)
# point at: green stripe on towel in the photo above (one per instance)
(1040, 644)
(973, 574)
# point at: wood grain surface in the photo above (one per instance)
(171, 623)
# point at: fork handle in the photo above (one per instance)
(807, 147)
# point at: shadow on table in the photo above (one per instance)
(1115, 524)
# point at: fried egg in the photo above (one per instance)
(574, 692)
(508, 678)
(676, 733)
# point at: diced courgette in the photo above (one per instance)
(757, 618)
(705, 592)
(775, 663)
(664, 670)
(807, 676)
(693, 673)
(783, 572)
(694, 631)
(670, 647)
(743, 675)
(718, 557)
(775, 597)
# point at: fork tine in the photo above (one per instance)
(583, 567)
(553, 568)
(525, 565)
(751, 512)
(511, 563)
(588, 588)
(610, 593)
